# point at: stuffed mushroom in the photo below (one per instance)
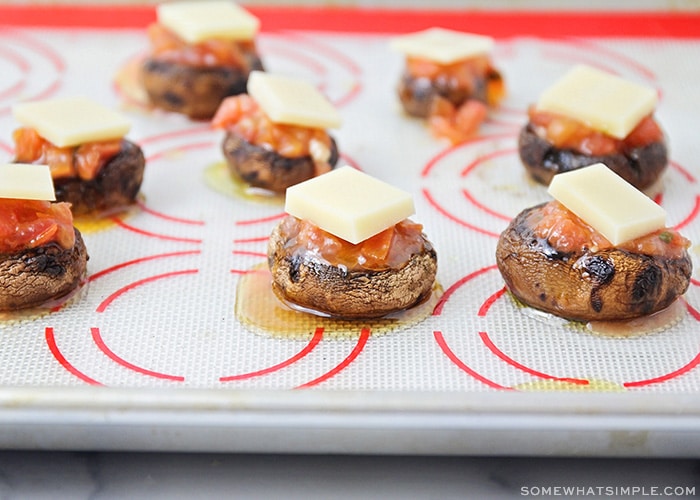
(591, 117)
(42, 256)
(553, 261)
(317, 271)
(275, 136)
(201, 52)
(93, 166)
(449, 80)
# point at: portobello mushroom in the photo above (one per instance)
(587, 285)
(418, 93)
(193, 90)
(115, 186)
(303, 278)
(640, 166)
(35, 276)
(266, 169)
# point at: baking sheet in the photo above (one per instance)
(153, 356)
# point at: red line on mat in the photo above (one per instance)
(105, 303)
(99, 341)
(260, 220)
(440, 339)
(249, 254)
(172, 218)
(504, 357)
(490, 301)
(448, 151)
(495, 23)
(361, 342)
(140, 260)
(470, 198)
(318, 335)
(119, 222)
(452, 289)
(433, 202)
(56, 352)
(257, 239)
(691, 216)
(663, 378)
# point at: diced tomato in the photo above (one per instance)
(90, 157)
(388, 249)
(84, 161)
(568, 133)
(242, 115)
(30, 223)
(456, 124)
(465, 73)
(566, 232)
(29, 145)
(167, 45)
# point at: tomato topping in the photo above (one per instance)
(84, 161)
(241, 115)
(30, 223)
(466, 73)
(168, 46)
(567, 133)
(566, 233)
(456, 124)
(389, 249)
(459, 122)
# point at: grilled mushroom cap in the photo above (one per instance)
(611, 284)
(266, 169)
(36, 276)
(194, 91)
(417, 93)
(304, 279)
(115, 186)
(640, 166)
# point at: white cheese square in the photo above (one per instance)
(349, 204)
(196, 22)
(442, 45)
(72, 121)
(602, 101)
(608, 203)
(292, 101)
(26, 181)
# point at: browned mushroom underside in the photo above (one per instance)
(417, 93)
(610, 284)
(266, 169)
(36, 276)
(194, 91)
(641, 166)
(115, 186)
(305, 280)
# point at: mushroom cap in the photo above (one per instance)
(640, 166)
(38, 275)
(307, 281)
(610, 284)
(194, 91)
(266, 169)
(417, 93)
(115, 186)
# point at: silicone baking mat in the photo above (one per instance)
(159, 327)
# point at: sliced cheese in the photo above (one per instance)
(442, 46)
(608, 203)
(26, 181)
(196, 22)
(349, 204)
(292, 101)
(602, 101)
(72, 121)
